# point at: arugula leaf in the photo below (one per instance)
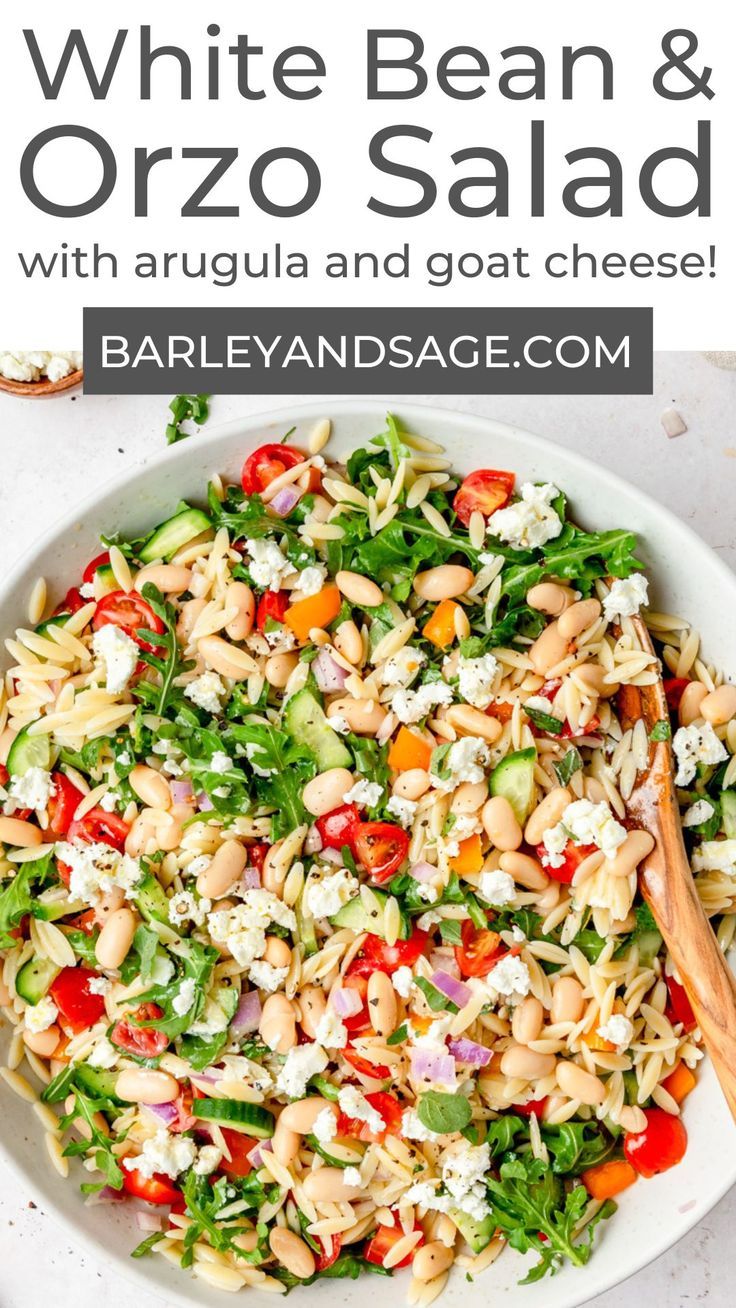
(443, 1113)
(84, 945)
(247, 517)
(528, 1201)
(105, 1160)
(569, 764)
(288, 765)
(645, 920)
(167, 662)
(147, 1245)
(200, 1051)
(58, 1088)
(186, 408)
(197, 962)
(501, 1134)
(451, 931)
(19, 897)
(573, 1146)
(590, 944)
(576, 555)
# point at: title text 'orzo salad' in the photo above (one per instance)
(319, 910)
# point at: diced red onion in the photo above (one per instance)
(204, 803)
(166, 1113)
(148, 1221)
(426, 1065)
(181, 791)
(214, 1075)
(455, 990)
(327, 673)
(438, 960)
(345, 1001)
(256, 1154)
(422, 871)
(252, 878)
(313, 842)
(467, 1051)
(105, 1196)
(285, 500)
(248, 1014)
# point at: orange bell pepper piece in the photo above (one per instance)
(441, 626)
(469, 857)
(314, 611)
(679, 1083)
(409, 750)
(608, 1179)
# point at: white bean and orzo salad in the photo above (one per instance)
(319, 916)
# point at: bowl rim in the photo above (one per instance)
(413, 413)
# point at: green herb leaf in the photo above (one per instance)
(398, 1036)
(451, 931)
(443, 1113)
(438, 1002)
(544, 721)
(661, 730)
(186, 408)
(569, 764)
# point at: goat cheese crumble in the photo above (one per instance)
(39, 1017)
(32, 365)
(331, 1031)
(183, 907)
(626, 596)
(206, 692)
(184, 997)
(404, 810)
(366, 794)
(716, 856)
(268, 565)
(401, 668)
(510, 978)
(96, 869)
(118, 655)
(618, 1030)
(531, 521)
(324, 1127)
(496, 887)
(402, 981)
(104, 1054)
(475, 679)
(698, 813)
(696, 744)
(32, 790)
(326, 897)
(353, 1102)
(312, 579)
(267, 977)
(302, 1063)
(466, 760)
(585, 823)
(162, 1152)
(412, 705)
(243, 928)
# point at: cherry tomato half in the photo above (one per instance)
(384, 1239)
(62, 804)
(257, 855)
(142, 1041)
(239, 1146)
(679, 1008)
(573, 855)
(388, 1108)
(272, 604)
(265, 464)
(381, 847)
(77, 1006)
(156, 1189)
(129, 613)
(376, 956)
(100, 561)
(531, 1106)
(331, 1246)
(100, 827)
(71, 603)
(479, 952)
(661, 1145)
(378, 1071)
(360, 1021)
(483, 491)
(674, 688)
(338, 827)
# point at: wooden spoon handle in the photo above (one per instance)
(667, 883)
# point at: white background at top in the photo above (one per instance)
(54, 450)
(336, 128)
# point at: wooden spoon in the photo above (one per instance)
(35, 390)
(667, 884)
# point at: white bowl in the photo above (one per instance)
(689, 579)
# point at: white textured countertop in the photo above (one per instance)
(55, 449)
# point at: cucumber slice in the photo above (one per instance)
(514, 779)
(336, 1153)
(355, 915)
(476, 1233)
(173, 534)
(250, 1118)
(650, 943)
(305, 927)
(97, 1082)
(59, 620)
(728, 811)
(151, 899)
(306, 721)
(28, 752)
(34, 979)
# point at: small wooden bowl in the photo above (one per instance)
(34, 390)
